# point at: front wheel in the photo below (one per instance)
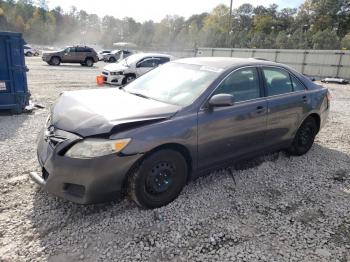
(128, 79)
(112, 60)
(55, 61)
(159, 179)
(304, 137)
(89, 62)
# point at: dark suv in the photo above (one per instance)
(84, 55)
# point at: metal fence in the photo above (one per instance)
(316, 63)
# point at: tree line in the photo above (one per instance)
(316, 24)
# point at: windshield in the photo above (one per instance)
(174, 83)
(133, 59)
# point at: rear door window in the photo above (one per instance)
(83, 49)
(277, 81)
(163, 60)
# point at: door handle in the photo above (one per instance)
(260, 109)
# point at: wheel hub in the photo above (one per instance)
(160, 178)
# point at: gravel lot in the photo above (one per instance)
(274, 208)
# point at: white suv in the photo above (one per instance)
(132, 67)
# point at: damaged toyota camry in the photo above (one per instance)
(174, 124)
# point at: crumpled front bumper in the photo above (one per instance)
(113, 79)
(82, 181)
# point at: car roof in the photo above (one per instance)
(154, 54)
(84, 46)
(224, 62)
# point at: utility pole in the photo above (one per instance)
(229, 25)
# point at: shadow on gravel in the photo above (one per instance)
(9, 123)
(59, 223)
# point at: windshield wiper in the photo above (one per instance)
(140, 95)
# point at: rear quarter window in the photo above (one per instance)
(163, 60)
(297, 85)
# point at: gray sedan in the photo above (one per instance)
(174, 124)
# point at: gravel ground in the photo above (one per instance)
(273, 208)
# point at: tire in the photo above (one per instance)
(128, 79)
(29, 54)
(56, 61)
(89, 62)
(112, 60)
(304, 138)
(159, 179)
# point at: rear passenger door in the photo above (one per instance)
(81, 54)
(287, 103)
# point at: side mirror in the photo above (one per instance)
(221, 100)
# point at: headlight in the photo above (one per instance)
(90, 148)
(116, 73)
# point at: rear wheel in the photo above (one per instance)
(89, 62)
(304, 137)
(159, 179)
(29, 54)
(55, 61)
(112, 60)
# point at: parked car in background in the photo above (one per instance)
(102, 54)
(84, 55)
(132, 67)
(30, 51)
(117, 55)
(174, 124)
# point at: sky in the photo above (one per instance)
(142, 10)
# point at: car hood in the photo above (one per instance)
(115, 67)
(98, 111)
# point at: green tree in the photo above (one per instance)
(326, 39)
(345, 43)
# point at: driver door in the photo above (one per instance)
(229, 132)
(146, 65)
(69, 55)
